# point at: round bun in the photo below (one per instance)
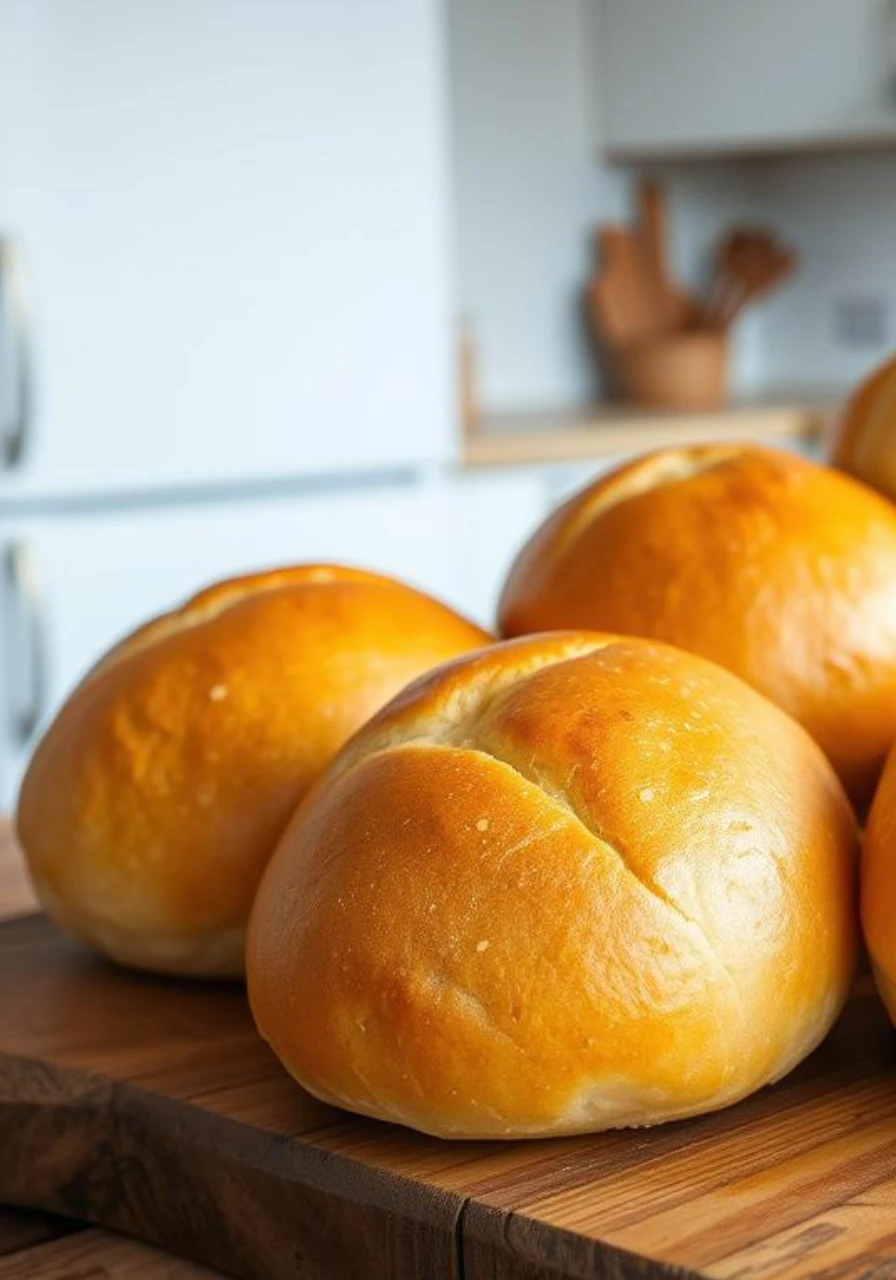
(571, 883)
(879, 886)
(865, 440)
(777, 568)
(158, 793)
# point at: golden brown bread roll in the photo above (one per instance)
(865, 440)
(570, 883)
(157, 794)
(777, 568)
(879, 886)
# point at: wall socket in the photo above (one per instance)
(861, 320)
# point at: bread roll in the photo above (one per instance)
(777, 568)
(571, 883)
(865, 440)
(157, 794)
(879, 886)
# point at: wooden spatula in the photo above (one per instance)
(632, 297)
(627, 300)
(619, 292)
(672, 304)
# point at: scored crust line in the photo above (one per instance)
(647, 475)
(563, 806)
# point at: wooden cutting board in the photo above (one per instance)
(150, 1106)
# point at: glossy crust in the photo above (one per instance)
(777, 568)
(865, 440)
(570, 883)
(156, 796)
(879, 886)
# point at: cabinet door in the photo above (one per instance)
(73, 585)
(228, 219)
(500, 510)
(697, 75)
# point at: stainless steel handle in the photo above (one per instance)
(14, 435)
(26, 611)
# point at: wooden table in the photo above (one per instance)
(36, 1246)
(165, 1134)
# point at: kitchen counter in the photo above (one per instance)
(614, 429)
(37, 1246)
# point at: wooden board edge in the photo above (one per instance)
(22, 1229)
(91, 1253)
(500, 1245)
(245, 1201)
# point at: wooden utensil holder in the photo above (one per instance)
(679, 371)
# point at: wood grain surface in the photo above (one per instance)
(97, 1255)
(22, 1229)
(16, 894)
(150, 1106)
(41, 1246)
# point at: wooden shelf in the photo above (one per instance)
(784, 147)
(612, 429)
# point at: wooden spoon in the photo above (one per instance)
(749, 263)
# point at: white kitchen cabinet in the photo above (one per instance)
(228, 217)
(71, 585)
(691, 76)
(498, 511)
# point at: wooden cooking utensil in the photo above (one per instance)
(609, 300)
(631, 300)
(632, 297)
(624, 294)
(672, 303)
(749, 263)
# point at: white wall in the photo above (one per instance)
(529, 189)
(840, 212)
(704, 200)
(527, 192)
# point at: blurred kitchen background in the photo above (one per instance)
(297, 279)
